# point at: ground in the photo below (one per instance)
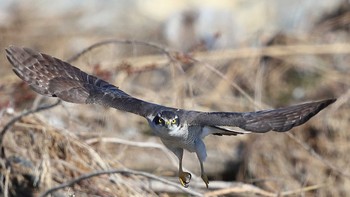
(267, 70)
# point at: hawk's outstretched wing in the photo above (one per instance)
(281, 120)
(53, 77)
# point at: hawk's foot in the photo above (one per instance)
(184, 178)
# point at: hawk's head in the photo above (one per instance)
(167, 119)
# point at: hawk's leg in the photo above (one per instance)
(184, 177)
(202, 154)
(203, 175)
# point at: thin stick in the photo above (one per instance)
(304, 189)
(239, 189)
(115, 41)
(7, 180)
(133, 143)
(125, 171)
(26, 113)
(275, 51)
(319, 157)
(232, 83)
(246, 188)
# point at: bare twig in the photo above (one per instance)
(125, 171)
(304, 189)
(115, 41)
(26, 113)
(240, 188)
(275, 51)
(319, 157)
(161, 147)
(232, 83)
(133, 143)
(7, 180)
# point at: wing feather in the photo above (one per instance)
(53, 77)
(280, 120)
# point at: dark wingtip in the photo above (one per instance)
(314, 108)
(327, 102)
(8, 50)
(322, 104)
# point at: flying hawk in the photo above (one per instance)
(178, 129)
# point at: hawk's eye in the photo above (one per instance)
(173, 121)
(158, 121)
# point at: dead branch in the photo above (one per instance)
(317, 156)
(133, 143)
(125, 171)
(15, 119)
(239, 188)
(115, 41)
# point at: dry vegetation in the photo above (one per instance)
(54, 146)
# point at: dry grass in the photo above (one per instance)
(65, 142)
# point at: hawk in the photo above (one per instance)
(178, 129)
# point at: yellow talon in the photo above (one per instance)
(184, 178)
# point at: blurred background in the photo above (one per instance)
(250, 55)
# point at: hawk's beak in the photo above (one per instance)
(167, 123)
